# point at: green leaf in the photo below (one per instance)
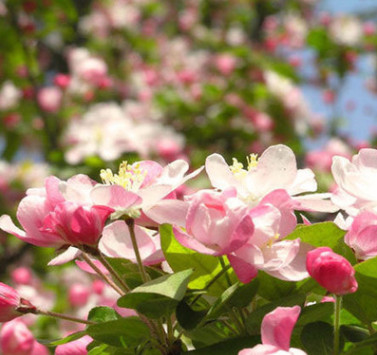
(124, 332)
(235, 296)
(187, 317)
(69, 338)
(324, 234)
(157, 297)
(180, 258)
(317, 338)
(228, 347)
(104, 349)
(368, 343)
(363, 303)
(354, 333)
(272, 288)
(103, 314)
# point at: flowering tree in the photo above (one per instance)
(138, 226)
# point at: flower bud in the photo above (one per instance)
(332, 271)
(9, 301)
(16, 338)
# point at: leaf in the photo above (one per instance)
(180, 258)
(103, 314)
(363, 303)
(272, 288)
(368, 343)
(124, 332)
(67, 339)
(354, 333)
(235, 296)
(317, 338)
(324, 234)
(157, 297)
(187, 317)
(228, 347)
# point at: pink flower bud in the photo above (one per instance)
(16, 338)
(62, 80)
(49, 99)
(78, 295)
(22, 276)
(9, 301)
(332, 271)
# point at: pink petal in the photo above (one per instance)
(169, 211)
(219, 173)
(114, 196)
(277, 326)
(262, 349)
(70, 254)
(83, 265)
(244, 270)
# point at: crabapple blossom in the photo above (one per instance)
(332, 271)
(59, 214)
(10, 300)
(140, 186)
(266, 250)
(116, 243)
(16, 338)
(50, 99)
(356, 182)
(275, 169)
(276, 331)
(216, 223)
(76, 347)
(362, 235)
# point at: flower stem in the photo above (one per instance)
(222, 262)
(104, 276)
(113, 273)
(64, 316)
(337, 308)
(131, 227)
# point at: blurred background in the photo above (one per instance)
(85, 85)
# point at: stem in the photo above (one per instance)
(222, 262)
(131, 227)
(215, 278)
(338, 306)
(99, 272)
(64, 316)
(113, 273)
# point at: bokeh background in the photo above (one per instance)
(85, 85)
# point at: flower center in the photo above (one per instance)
(130, 177)
(237, 168)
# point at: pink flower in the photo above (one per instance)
(266, 250)
(59, 214)
(50, 99)
(10, 300)
(362, 236)
(276, 332)
(356, 180)
(225, 63)
(16, 338)
(332, 271)
(216, 223)
(116, 243)
(139, 187)
(76, 347)
(275, 169)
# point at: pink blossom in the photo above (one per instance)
(276, 331)
(116, 243)
(76, 347)
(22, 276)
(78, 295)
(225, 63)
(362, 235)
(332, 271)
(59, 214)
(356, 180)
(16, 338)
(10, 300)
(266, 250)
(275, 169)
(139, 187)
(216, 223)
(50, 99)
